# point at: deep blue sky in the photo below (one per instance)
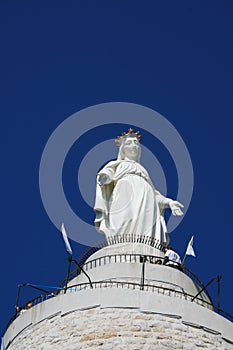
(58, 57)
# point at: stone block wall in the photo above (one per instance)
(116, 328)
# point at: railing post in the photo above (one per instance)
(17, 299)
(143, 273)
(80, 267)
(69, 258)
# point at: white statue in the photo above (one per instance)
(126, 200)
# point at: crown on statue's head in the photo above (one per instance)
(129, 133)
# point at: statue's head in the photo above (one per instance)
(129, 145)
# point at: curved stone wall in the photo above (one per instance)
(119, 314)
(118, 319)
(116, 329)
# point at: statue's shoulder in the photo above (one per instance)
(112, 164)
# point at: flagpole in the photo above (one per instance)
(69, 252)
(70, 258)
(182, 263)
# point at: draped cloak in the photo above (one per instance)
(129, 203)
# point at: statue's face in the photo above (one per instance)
(131, 148)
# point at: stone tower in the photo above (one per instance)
(130, 300)
(133, 303)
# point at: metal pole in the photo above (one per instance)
(204, 288)
(69, 258)
(182, 263)
(143, 273)
(17, 298)
(218, 280)
(38, 288)
(79, 266)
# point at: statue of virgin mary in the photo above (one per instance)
(126, 200)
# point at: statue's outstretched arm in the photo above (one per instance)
(176, 207)
(165, 202)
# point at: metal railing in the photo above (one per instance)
(149, 288)
(138, 286)
(132, 238)
(125, 258)
(117, 239)
(138, 258)
(131, 258)
(125, 285)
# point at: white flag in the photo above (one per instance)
(189, 250)
(65, 238)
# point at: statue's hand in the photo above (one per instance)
(175, 207)
(102, 179)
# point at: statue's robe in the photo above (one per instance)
(129, 203)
